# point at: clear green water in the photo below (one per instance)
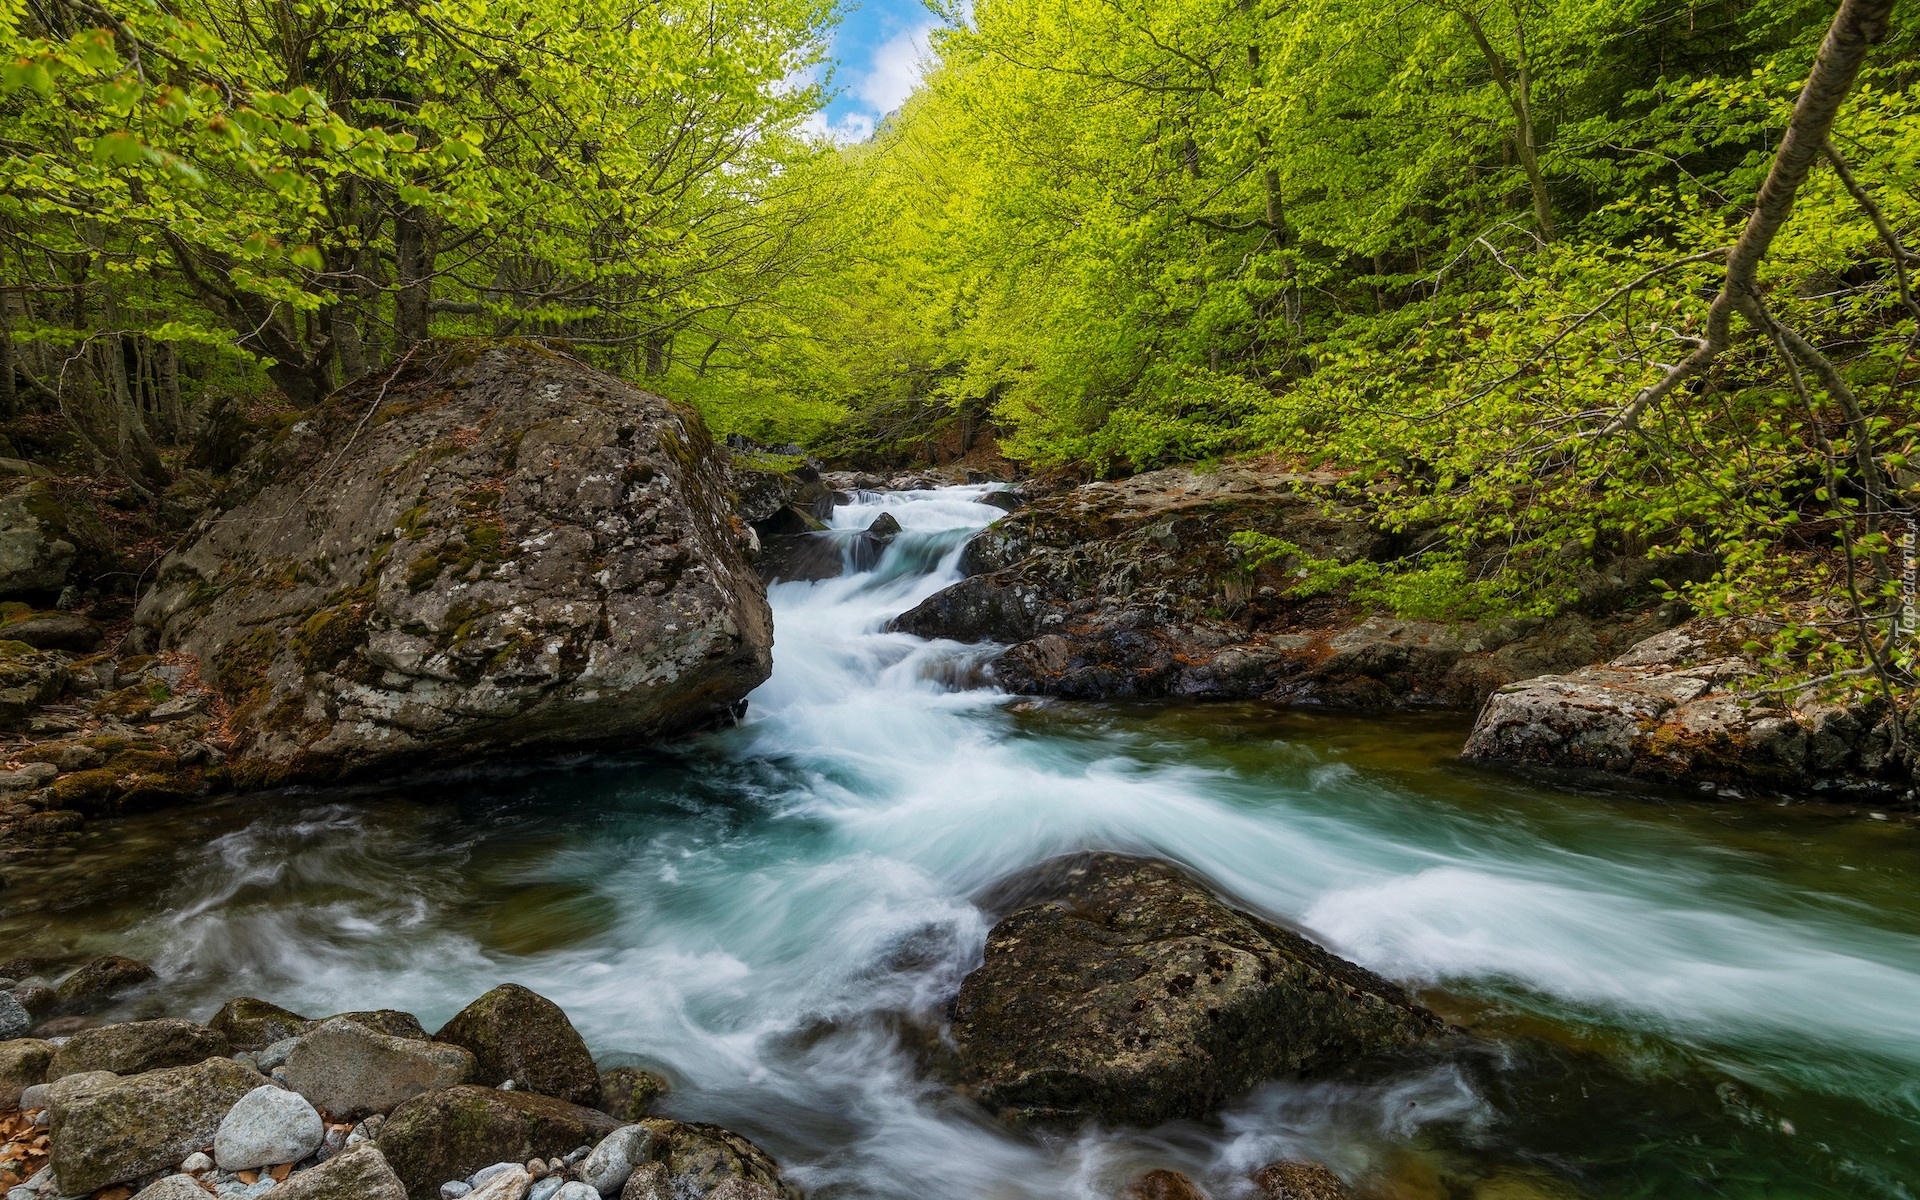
(1676, 998)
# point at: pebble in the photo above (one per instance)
(486, 1175)
(545, 1188)
(576, 1191)
(579, 1152)
(453, 1189)
(196, 1163)
(35, 1097)
(606, 1169)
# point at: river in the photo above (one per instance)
(1679, 997)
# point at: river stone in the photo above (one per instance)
(36, 999)
(360, 1173)
(1164, 1185)
(507, 552)
(511, 1184)
(629, 1092)
(520, 1035)
(14, 1017)
(349, 1070)
(23, 1064)
(390, 1021)
(649, 1182)
(609, 1164)
(119, 1128)
(573, 1189)
(251, 1024)
(453, 1132)
(267, 1127)
(1121, 990)
(1293, 1180)
(699, 1158)
(173, 1187)
(100, 981)
(135, 1046)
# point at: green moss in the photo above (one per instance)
(333, 634)
(12, 649)
(85, 790)
(13, 610)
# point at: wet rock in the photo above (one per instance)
(884, 526)
(267, 1127)
(1121, 990)
(649, 1182)
(1680, 707)
(740, 1189)
(100, 981)
(516, 554)
(55, 631)
(1004, 499)
(520, 1035)
(360, 1173)
(1164, 1185)
(349, 1070)
(36, 999)
(629, 1093)
(173, 1187)
(390, 1021)
(15, 1020)
(137, 1046)
(801, 557)
(699, 1158)
(250, 1024)
(23, 1063)
(453, 1132)
(110, 1129)
(1291, 1180)
(575, 1190)
(606, 1168)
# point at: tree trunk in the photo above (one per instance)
(1517, 87)
(413, 262)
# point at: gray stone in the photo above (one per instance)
(349, 1070)
(135, 1046)
(649, 1182)
(1121, 990)
(453, 1189)
(543, 1189)
(508, 1185)
(488, 1174)
(196, 1163)
(35, 553)
(173, 1187)
(118, 1128)
(533, 555)
(267, 1127)
(55, 631)
(38, 1096)
(277, 1054)
(23, 1064)
(15, 1020)
(575, 1190)
(610, 1162)
(361, 1173)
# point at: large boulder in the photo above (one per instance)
(453, 1132)
(701, 1158)
(136, 1046)
(349, 1070)
(109, 1129)
(520, 1035)
(1681, 706)
(494, 549)
(1120, 989)
(37, 551)
(1136, 588)
(361, 1173)
(250, 1024)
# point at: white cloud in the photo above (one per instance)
(843, 130)
(895, 70)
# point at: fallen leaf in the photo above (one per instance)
(248, 1176)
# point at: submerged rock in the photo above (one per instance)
(496, 550)
(520, 1035)
(453, 1132)
(1164, 1185)
(108, 1129)
(701, 1158)
(100, 981)
(1294, 1180)
(1121, 990)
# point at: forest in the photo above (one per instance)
(1485, 259)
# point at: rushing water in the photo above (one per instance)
(1679, 999)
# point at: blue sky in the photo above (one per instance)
(878, 52)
